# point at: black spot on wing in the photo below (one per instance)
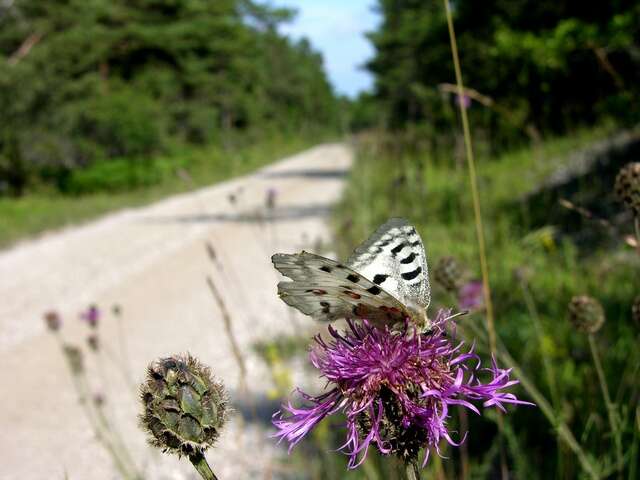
(324, 268)
(396, 250)
(379, 278)
(416, 243)
(412, 275)
(353, 278)
(409, 258)
(375, 290)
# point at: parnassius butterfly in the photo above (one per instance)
(384, 281)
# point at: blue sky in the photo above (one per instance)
(336, 28)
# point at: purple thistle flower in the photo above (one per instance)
(91, 315)
(470, 296)
(395, 389)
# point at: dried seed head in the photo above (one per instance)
(635, 311)
(93, 342)
(586, 314)
(448, 274)
(52, 321)
(184, 407)
(75, 359)
(627, 187)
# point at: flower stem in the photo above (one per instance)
(412, 471)
(472, 180)
(636, 222)
(235, 348)
(611, 411)
(477, 213)
(561, 427)
(546, 361)
(200, 464)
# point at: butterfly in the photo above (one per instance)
(385, 280)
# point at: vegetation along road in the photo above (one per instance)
(152, 263)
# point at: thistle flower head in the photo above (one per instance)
(52, 320)
(627, 187)
(184, 407)
(448, 274)
(586, 314)
(470, 296)
(395, 388)
(91, 315)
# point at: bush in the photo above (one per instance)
(118, 124)
(119, 174)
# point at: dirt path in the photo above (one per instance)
(152, 262)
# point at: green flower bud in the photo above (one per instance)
(627, 187)
(448, 274)
(586, 314)
(184, 407)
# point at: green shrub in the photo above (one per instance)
(118, 124)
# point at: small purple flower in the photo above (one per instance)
(91, 315)
(465, 100)
(470, 296)
(395, 389)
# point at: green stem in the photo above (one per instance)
(200, 464)
(546, 361)
(412, 471)
(636, 222)
(541, 402)
(477, 214)
(99, 430)
(611, 410)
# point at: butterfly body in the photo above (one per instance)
(384, 281)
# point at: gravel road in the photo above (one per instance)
(152, 262)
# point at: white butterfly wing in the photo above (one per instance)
(394, 257)
(328, 290)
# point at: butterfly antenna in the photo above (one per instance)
(459, 314)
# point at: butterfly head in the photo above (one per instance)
(420, 319)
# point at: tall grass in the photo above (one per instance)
(530, 318)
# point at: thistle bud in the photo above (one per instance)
(586, 314)
(99, 399)
(627, 187)
(52, 321)
(448, 274)
(184, 407)
(635, 311)
(93, 342)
